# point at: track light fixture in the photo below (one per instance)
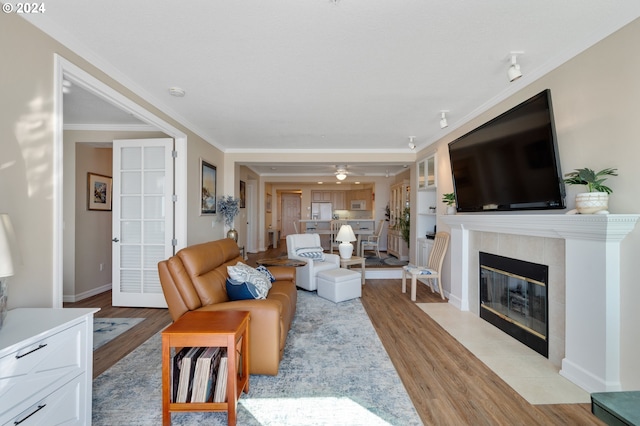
(514, 72)
(412, 145)
(443, 119)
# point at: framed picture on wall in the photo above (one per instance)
(243, 191)
(268, 203)
(207, 188)
(98, 192)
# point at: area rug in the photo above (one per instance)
(530, 374)
(384, 261)
(335, 371)
(107, 329)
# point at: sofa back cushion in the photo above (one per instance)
(206, 267)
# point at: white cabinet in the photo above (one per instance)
(426, 202)
(46, 363)
(424, 250)
(427, 173)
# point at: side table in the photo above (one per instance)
(354, 260)
(228, 329)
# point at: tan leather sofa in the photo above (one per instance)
(194, 279)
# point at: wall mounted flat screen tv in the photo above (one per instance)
(510, 162)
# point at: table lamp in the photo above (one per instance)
(345, 236)
(7, 241)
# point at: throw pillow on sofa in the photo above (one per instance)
(267, 272)
(246, 274)
(238, 290)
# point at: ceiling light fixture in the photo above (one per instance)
(443, 119)
(386, 173)
(177, 92)
(341, 172)
(412, 145)
(514, 72)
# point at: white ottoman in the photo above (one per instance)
(339, 284)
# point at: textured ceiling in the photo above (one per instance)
(325, 75)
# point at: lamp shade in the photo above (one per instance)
(7, 244)
(345, 234)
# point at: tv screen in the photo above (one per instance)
(510, 162)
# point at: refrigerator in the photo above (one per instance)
(321, 211)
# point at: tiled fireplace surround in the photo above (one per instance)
(583, 255)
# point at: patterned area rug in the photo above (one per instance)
(384, 261)
(107, 329)
(335, 371)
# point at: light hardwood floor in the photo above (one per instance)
(447, 384)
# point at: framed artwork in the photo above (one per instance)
(268, 203)
(207, 188)
(98, 192)
(243, 191)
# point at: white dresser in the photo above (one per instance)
(46, 362)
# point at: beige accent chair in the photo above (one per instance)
(306, 275)
(373, 241)
(433, 270)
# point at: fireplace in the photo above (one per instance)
(513, 297)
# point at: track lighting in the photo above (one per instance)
(514, 72)
(412, 145)
(443, 119)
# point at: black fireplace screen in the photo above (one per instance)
(513, 297)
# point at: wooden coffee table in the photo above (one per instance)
(228, 329)
(281, 261)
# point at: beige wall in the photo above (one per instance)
(596, 101)
(27, 160)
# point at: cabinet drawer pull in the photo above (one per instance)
(40, 407)
(31, 351)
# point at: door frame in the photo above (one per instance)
(64, 69)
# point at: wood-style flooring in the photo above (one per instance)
(447, 384)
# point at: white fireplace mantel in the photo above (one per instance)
(592, 264)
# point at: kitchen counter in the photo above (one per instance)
(323, 228)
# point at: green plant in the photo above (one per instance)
(449, 198)
(591, 179)
(404, 224)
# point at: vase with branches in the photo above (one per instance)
(229, 207)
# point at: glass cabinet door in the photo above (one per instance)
(427, 173)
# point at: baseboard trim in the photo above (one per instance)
(86, 294)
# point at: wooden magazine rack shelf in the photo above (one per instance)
(229, 329)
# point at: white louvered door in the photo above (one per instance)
(143, 213)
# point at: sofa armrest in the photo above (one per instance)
(283, 273)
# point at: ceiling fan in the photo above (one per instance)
(341, 172)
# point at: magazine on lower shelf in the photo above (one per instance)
(220, 394)
(205, 374)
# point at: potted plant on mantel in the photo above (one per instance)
(449, 199)
(229, 207)
(597, 199)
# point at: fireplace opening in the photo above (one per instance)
(513, 297)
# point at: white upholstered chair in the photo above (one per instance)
(372, 242)
(306, 275)
(432, 271)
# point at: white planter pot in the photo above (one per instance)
(451, 209)
(592, 202)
